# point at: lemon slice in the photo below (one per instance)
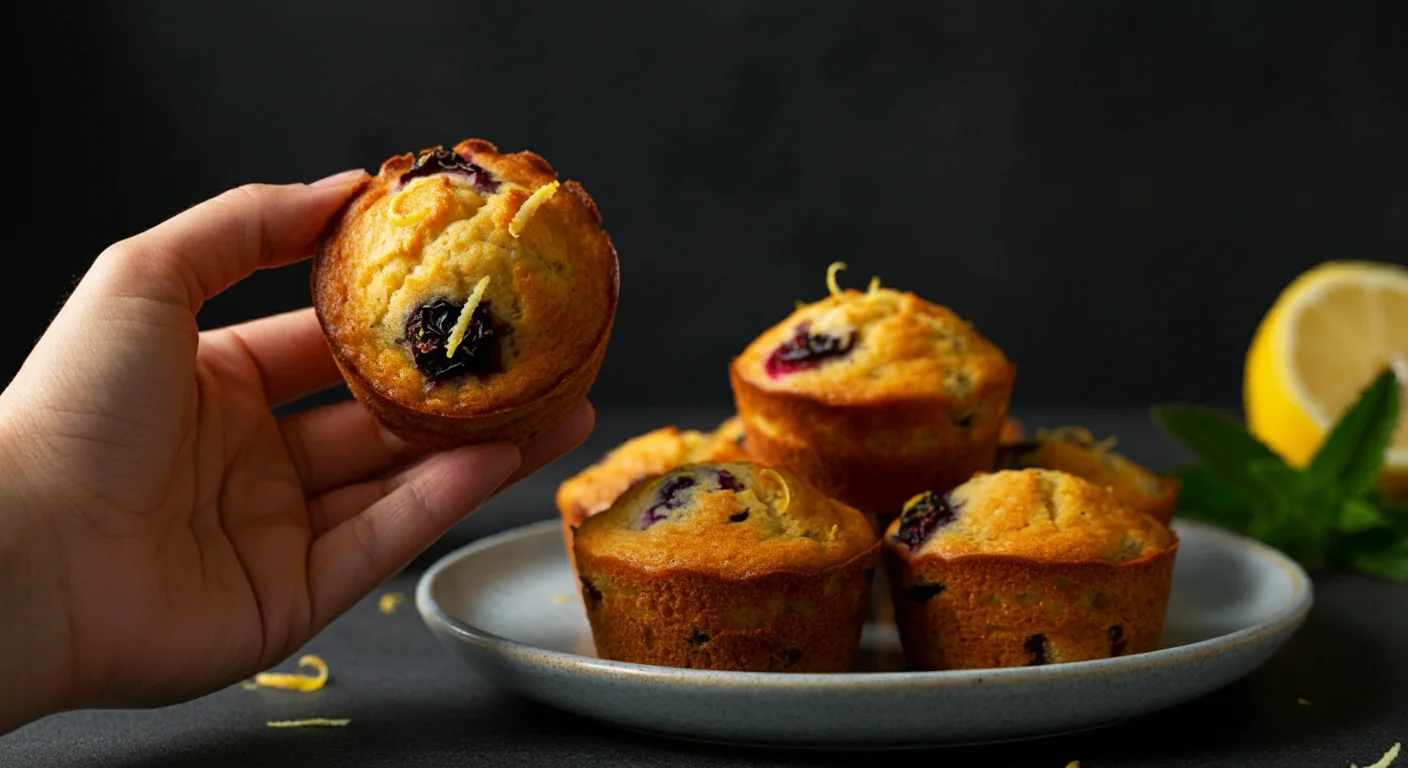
(1330, 332)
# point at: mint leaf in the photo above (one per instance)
(1202, 495)
(1352, 454)
(1389, 563)
(1357, 515)
(1225, 447)
(1287, 522)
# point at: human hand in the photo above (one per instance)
(161, 534)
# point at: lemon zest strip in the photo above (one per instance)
(249, 685)
(1386, 760)
(295, 681)
(462, 324)
(325, 722)
(915, 499)
(786, 491)
(836, 266)
(389, 602)
(530, 207)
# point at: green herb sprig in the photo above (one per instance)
(1328, 513)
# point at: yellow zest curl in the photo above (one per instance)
(831, 271)
(1386, 760)
(249, 685)
(402, 218)
(295, 681)
(530, 206)
(1073, 764)
(915, 499)
(389, 602)
(786, 492)
(462, 324)
(312, 722)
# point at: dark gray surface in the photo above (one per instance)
(412, 704)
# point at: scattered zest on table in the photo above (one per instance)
(1386, 760)
(389, 602)
(561, 599)
(1328, 513)
(1073, 764)
(1303, 702)
(295, 681)
(312, 722)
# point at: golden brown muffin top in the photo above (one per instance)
(432, 232)
(1036, 514)
(653, 453)
(734, 520)
(864, 346)
(1075, 451)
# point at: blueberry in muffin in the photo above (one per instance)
(1023, 568)
(873, 396)
(1074, 450)
(727, 566)
(467, 295)
(644, 456)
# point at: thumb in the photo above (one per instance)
(200, 252)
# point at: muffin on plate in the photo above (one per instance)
(1026, 567)
(727, 566)
(466, 295)
(1074, 450)
(653, 453)
(873, 396)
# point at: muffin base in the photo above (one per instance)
(778, 622)
(998, 611)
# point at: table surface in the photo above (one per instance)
(411, 703)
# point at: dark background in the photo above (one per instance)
(1112, 191)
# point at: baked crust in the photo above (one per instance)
(552, 292)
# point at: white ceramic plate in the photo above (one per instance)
(508, 605)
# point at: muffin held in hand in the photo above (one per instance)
(467, 296)
(1026, 567)
(653, 453)
(1073, 450)
(873, 396)
(727, 566)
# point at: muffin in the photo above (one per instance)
(1012, 432)
(466, 295)
(873, 396)
(727, 566)
(1026, 567)
(1075, 451)
(653, 453)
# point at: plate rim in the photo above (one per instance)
(1282, 623)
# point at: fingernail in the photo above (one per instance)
(339, 179)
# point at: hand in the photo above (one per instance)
(161, 534)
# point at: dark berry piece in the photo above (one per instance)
(1036, 646)
(698, 637)
(921, 517)
(441, 160)
(805, 350)
(428, 333)
(590, 594)
(789, 656)
(1118, 642)
(923, 590)
(738, 518)
(727, 482)
(669, 499)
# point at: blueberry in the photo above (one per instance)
(805, 350)
(1036, 646)
(738, 518)
(669, 499)
(922, 517)
(923, 590)
(727, 482)
(1118, 642)
(445, 161)
(698, 637)
(428, 332)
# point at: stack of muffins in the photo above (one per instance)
(870, 424)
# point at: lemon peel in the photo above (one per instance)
(311, 722)
(295, 681)
(530, 206)
(1386, 760)
(915, 499)
(467, 311)
(389, 602)
(836, 266)
(786, 491)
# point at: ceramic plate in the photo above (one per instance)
(508, 606)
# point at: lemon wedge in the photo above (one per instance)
(1329, 333)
